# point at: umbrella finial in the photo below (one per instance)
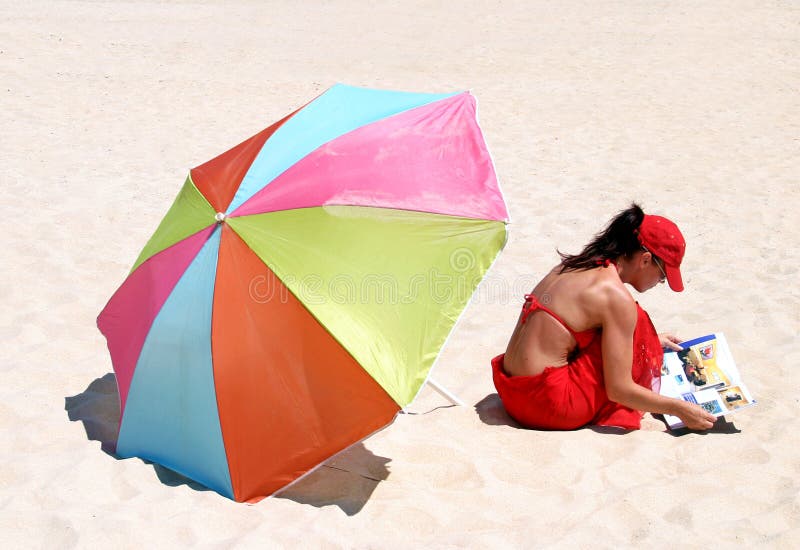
(220, 217)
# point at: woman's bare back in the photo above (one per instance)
(541, 340)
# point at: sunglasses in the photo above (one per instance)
(659, 264)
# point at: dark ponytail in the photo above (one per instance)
(620, 238)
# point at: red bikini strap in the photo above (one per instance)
(532, 303)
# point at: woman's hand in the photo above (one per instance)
(669, 341)
(694, 416)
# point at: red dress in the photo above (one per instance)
(568, 397)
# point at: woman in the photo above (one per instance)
(583, 351)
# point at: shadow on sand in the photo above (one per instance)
(98, 408)
(346, 480)
(721, 426)
(491, 411)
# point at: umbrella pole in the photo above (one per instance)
(444, 392)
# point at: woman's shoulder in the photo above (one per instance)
(607, 292)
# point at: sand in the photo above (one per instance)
(690, 108)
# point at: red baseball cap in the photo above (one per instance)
(663, 238)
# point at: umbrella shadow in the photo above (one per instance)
(491, 411)
(346, 480)
(98, 408)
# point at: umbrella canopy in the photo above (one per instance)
(301, 286)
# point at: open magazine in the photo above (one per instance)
(704, 373)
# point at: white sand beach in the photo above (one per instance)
(690, 108)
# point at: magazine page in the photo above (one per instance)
(704, 373)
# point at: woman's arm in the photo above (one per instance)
(619, 321)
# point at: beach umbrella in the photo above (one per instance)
(299, 289)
